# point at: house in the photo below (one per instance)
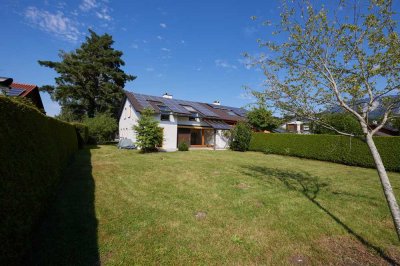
(28, 91)
(294, 125)
(198, 124)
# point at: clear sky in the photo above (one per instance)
(191, 49)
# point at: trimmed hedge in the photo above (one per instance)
(34, 149)
(82, 132)
(332, 148)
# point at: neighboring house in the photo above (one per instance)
(28, 91)
(198, 124)
(294, 125)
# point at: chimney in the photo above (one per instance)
(166, 95)
(216, 103)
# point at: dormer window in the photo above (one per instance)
(165, 112)
(193, 112)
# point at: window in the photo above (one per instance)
(165, 112)
(231, 113)
(189, 108)
(164, 109)
(193, 112)
(164, 117)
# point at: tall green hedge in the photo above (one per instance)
(338, 149)
(82, 132)
(34, 149)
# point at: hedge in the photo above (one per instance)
(82, 132)
(34, 149)
(332, 148)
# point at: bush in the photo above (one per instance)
(34, 150)
(343, 122)
(102, 128)
(240, 137)
(183, 146)
(82, 133)
(149, 135)
(332, 148)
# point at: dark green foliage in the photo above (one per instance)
(343, 122)
(82, 132)
(261, 119)
(90, 78)
(149, 134)
(240, 137)
(102, 128)
(396, 123)
(183, 146)
(34, 150)
(333, 148)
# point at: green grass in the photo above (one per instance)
(119, 207)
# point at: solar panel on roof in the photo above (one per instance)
(173, 104)
(14, 92)
(218, 124)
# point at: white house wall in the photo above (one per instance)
(128, 119)
(221, 141)
(170, 133)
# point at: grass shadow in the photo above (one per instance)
(68, 233)
(309, 186)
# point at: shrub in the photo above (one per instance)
(82, 133)
(183, 146)
(149, 135)
(343, 122)
(102, 128)
(333, 148)
(34, 150)
(240, 137)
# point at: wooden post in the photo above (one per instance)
(215, 139)
(202, 136)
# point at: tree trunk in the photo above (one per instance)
(387, 187)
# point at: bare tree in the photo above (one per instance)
(345, 59)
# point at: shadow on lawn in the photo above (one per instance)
(68, 233)
(309, 186)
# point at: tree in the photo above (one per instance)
(261, 119)
(149, 135)
(343, 122)
(347, 59)
(102, 128)
(90, 78)
(240, 136)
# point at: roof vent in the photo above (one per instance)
(166, 95)
(216, 103)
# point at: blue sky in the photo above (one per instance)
(191, 49)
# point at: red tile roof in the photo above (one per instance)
(27, 87)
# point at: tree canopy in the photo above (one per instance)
(90, 79)
(261, 119)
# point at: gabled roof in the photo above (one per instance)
(25, 88)
(27, 91)
(183, 107)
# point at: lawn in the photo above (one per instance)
(120, 207)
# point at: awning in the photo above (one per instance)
(218, 124)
